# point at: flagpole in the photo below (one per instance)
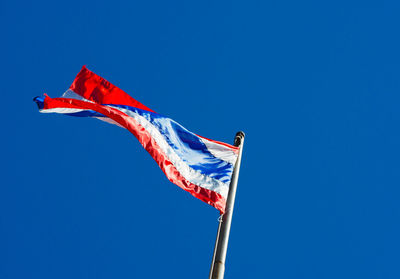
(221, 244)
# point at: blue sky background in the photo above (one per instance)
(314, 84)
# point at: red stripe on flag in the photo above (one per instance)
(210, 197)
(95, 88)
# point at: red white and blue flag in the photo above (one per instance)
(201, 166)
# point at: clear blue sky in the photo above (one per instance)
(314, 84)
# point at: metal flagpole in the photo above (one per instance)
(221, 244)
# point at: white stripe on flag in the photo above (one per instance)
(220, 151)
(62, 110)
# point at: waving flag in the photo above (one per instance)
(201, 166)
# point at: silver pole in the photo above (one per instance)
(221, 244)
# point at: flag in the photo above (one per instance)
(200, 166)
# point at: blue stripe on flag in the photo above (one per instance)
(39, 101)
(86, 113)
(187, 145)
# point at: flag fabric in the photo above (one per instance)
(201, 166)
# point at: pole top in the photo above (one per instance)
(239, 138)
